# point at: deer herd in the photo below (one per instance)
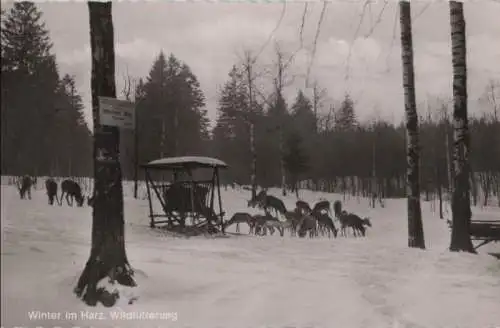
(301, 221)
(70, 188)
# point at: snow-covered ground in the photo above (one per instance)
(244, 281)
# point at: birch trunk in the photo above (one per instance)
(251, 120)
(415, 227)
(107, 255)
(460, 204)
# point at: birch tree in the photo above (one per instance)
(415, 226)
(460, 201)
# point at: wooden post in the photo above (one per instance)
(136, 155)
(220, 200)
(190, 173)
(148, 181)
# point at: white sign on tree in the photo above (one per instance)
(115, 112)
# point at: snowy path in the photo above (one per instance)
(246, 281)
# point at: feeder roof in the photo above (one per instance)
(185, 162)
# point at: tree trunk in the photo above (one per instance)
(251, 121)
(439, 191)
(473, 185)
(163, 137)
(253, 151)
(460, 204)
(282, 161)
(107, 255)
(136, 156)
(415, 226)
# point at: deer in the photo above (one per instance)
(268, 201)
(325, 222)
(303, 207)
(307, 223)
(25, 186)
(321, 206)
(240, 217)
(355, 222)
(51, 187)
(73, 191)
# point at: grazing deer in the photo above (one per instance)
(321, 206)
(325, 222)
(303, 207)
(272, 223)
(262, 223)
(25, 186)
(355, 222)
(73, 191)
(307, 223)
(294, 219)
(51, 187)
(239, 217)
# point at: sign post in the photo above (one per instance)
(115, 112)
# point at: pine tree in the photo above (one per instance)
(151, 111)
(295, 159)
(303, 115)
(231, 133)
(28, 68)
(345, 117)
(74, 150)
(172, 117)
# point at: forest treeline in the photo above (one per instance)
(43, 127)
(44, 131)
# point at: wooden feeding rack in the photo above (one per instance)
(185, 200)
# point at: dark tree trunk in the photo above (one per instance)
(415, 226)
(460, 204)
(107, 255)
(439, 191)
(473, 185)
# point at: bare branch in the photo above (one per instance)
(318, 29)
(365, 5)
(377, 21)
(302, 25)
(421, 12)
(394, 27)
(272, 32)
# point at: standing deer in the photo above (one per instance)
(239, 217)
(266, 202)
(321, 206)
(25, 186)
(355, 222)
(73, 191)
(51, 187)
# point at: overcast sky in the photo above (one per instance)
(210, 38)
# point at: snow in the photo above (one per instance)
(246, 281)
